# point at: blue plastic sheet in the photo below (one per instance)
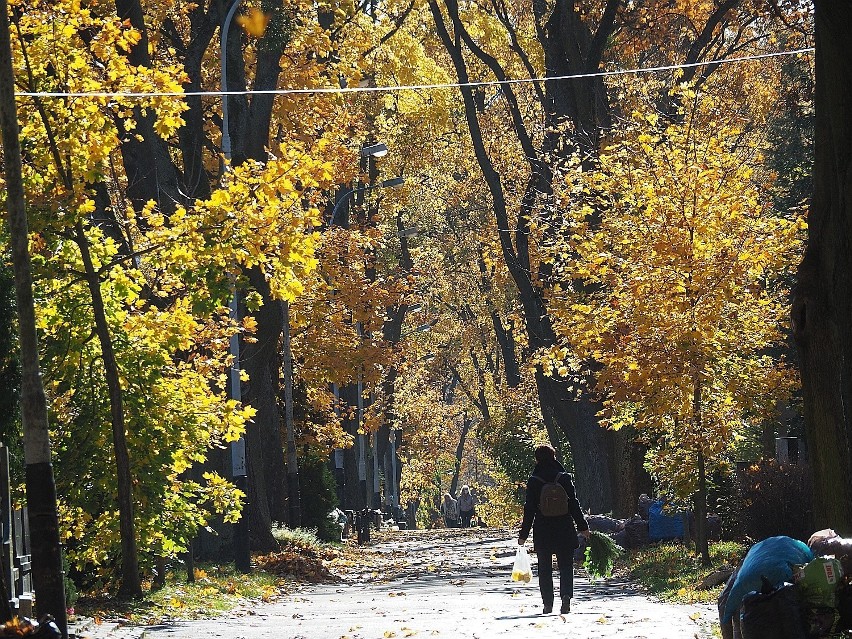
(772, 558)
(663, 526)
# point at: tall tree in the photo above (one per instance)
(41, 489)
(572, 39)
(686, 268)
(822, 305)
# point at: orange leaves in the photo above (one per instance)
(296, 565)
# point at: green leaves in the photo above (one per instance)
(601, 553)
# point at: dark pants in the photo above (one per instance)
(565, 562)
(465, 518)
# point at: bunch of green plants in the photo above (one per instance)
(601, 553)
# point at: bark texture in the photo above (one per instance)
(41, 489)
(822, 305)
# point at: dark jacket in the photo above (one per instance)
(552, 533)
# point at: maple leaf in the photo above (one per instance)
(255, 22)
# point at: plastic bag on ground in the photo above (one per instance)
(522, 569)
(819, 581)
(819, 537)
(821, 622)
(662, 524)
(772, 559)
(773, 615)
(727, 627)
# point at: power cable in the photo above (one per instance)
(410, 87)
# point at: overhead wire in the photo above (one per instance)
(409, 87)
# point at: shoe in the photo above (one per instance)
(566, 608)
(547, 609)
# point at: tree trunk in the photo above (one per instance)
(700, 496)
(131, 586)
(41, 489)
(264, 447)
(293, 495)
(249, 126)
(353, 496)
(577, 418)
(628, 472)
(822, 304)
(151, 174)
(701, 542)
(454, 482)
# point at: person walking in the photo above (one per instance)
(466, 506)
(450, 511)
(553, 513)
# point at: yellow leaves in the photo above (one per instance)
(255, 22)
(683, 281)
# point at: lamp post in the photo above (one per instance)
(242, 551)
(373, 150)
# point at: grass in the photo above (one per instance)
(673, 572)
(219, 588)
(216, 589)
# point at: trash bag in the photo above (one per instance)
(604, 523)
(844, 607)
(773, 615)
(727, 627)
(819, 581)
(644, 506)
(635, 533)
(522, 569)
(773, 559)
(821, 621)
(664, 526)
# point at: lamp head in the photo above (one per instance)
(376, 150)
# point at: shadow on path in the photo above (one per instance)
(452, 584)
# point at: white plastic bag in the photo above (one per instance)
(522, 570)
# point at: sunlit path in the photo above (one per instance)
(449, 584)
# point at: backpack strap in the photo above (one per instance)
(555, 479)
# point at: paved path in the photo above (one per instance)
(454, 585)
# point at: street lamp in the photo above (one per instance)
(223, 60)
(242, 551)
(377, 150)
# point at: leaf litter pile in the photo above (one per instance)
(305, 564)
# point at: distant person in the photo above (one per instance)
(450, 511)
(338, 517)
(466, 506)
(552, 515)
